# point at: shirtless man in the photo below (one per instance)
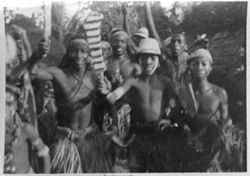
(150, 94)
(207, 111)
(210, 98)
(119, 66)
(17, 136)
(73, 85)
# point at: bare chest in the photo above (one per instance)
(207, 103)
(125, 68)
(147, 96)
(74, 86)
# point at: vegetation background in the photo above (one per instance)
(223, 22)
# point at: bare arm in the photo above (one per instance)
(223, 106)
(42, 72)
(22, 68)
(104, 88)
(40, 147)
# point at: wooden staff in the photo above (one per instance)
(47, 22)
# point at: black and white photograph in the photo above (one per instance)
(111, 87)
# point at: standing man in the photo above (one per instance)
(176, 59)
(154, 148)
(73, 85)
(119, 65)
(206, 110)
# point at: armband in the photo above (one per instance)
(43, 152)
(115, 95)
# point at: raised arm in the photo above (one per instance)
(40, 71)
(29, 64)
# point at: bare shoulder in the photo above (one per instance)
(131, 81)
(54, 69)
(220, 92)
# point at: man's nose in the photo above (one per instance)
(148, 60)
(175, 43)
(199, 66)
(79, 54)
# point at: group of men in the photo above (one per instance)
(146, 112)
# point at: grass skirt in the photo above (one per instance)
(65, 157)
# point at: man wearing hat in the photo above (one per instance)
(149, 94)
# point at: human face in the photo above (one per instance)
(11, 105)
(119, 45)
(79, 56)
(177, 44)
(148, 63)
(137, 39)
(105, 52)
(200, 68)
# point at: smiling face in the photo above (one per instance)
(177, 44)
(119, 45)
(200, 67)
(148, 63)
(78, 54)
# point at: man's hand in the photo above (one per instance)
(43, 48)
(186, 128)
(163, 124)
(41, 51)
(103, 85)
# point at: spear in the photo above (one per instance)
(47, 22)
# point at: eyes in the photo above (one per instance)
(118, 41)
(179, 41)
(81, 52)
(198, 62)
(144, 58)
